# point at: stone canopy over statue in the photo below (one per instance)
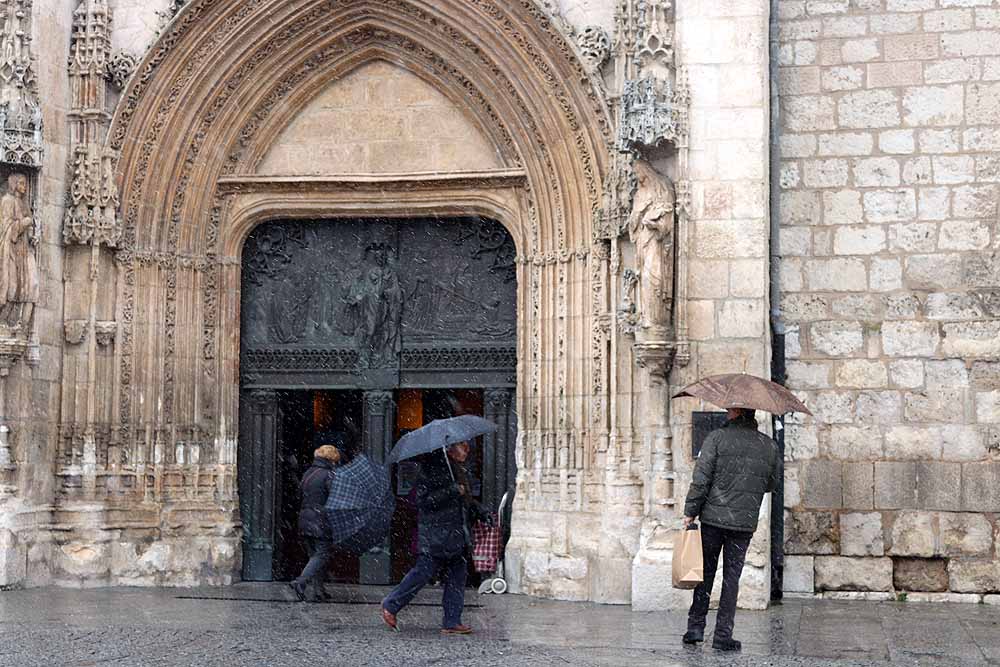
(651, 229)
(18, 269)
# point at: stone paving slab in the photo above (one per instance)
(259, 624)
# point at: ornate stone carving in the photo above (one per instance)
(92, 209)
(595, 46)
(174, 8)
(545, 218)
(18, 269)
(648, 116)
(105, 333)
(120, 68)
(651, 229)
(75, 331)
(628, 312)
(552, 70)
(20, 113)
(657, 357)
(644, 33)
(619, 190)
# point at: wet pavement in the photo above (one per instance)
(259, 624)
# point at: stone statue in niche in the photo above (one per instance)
(18, 270)
(651, 229)
(374, 310)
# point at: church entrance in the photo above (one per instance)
(363, 330)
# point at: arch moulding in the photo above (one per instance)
(192, 128)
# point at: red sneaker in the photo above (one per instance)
(457, 630)
(389, 619)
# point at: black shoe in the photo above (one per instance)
(298, 589)
(726, 644)
(692, 637)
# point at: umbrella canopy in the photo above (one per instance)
(439, 434)
(360, 505)
(739, 390)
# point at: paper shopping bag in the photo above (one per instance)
(689, 570)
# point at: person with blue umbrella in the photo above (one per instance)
(446, 506)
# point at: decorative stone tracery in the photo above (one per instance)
(21, 153)
(177, 255)
(20, 113)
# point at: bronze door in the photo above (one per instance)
(377, 307)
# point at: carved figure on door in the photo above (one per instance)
(18, 269)
(651, 229)
(373, 313)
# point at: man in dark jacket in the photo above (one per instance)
(315, 489)
(736, 467)
(445, 504)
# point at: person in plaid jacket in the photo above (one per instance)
(446, 506)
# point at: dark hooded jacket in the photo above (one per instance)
(445, 514)
(315, 489)
(736, 467)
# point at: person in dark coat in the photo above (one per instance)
(315, 488)
(736, 467)
(446, 506)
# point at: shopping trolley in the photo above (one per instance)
(489, 552)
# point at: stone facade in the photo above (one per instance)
(888, 211)
(179, 127)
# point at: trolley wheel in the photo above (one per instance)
(499, 586)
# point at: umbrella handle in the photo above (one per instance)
(444, 452)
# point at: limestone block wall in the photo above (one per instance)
(31, 391)
(890, 126)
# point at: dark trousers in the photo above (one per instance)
(453, 600)
(319, 562)
(733, 545)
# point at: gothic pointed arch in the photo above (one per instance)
(208, 104)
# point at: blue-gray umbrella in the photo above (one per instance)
(360, 505)
(440, 434)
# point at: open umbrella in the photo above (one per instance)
(360, 505)
(739, 390)
(440, 434)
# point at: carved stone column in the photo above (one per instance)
(498, 451)
(91, 231)
(377, 434)
(257, 459)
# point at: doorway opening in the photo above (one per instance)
(308, 416)
(371, 328)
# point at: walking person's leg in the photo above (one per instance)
(453, 598)
(322, 572)
(403, 594)
(734, 556)
(317, 560)
(711, 545)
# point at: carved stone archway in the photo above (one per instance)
(151, 409)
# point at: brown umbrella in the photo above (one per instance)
(739, 390)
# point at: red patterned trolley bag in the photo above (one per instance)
(486, 545)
